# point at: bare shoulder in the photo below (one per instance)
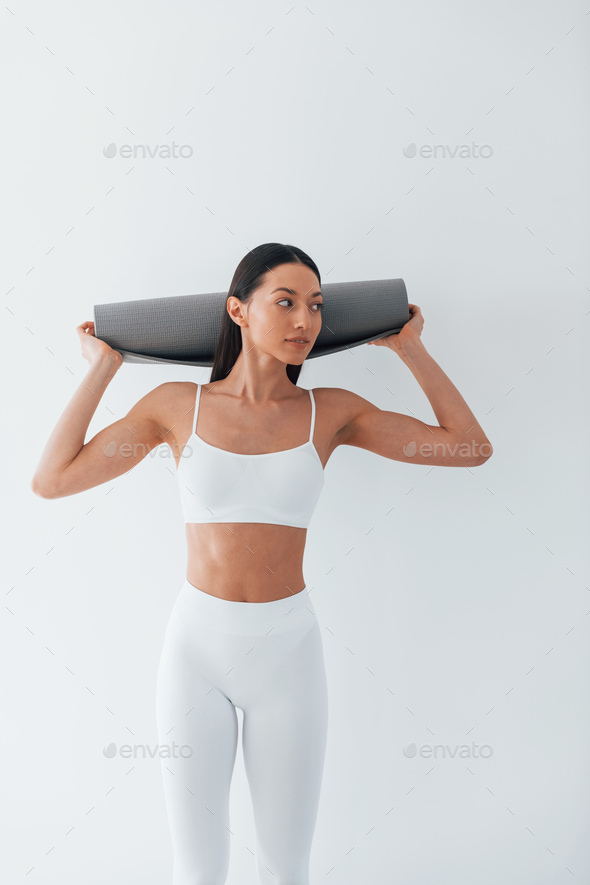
(166, 405)
(338, 408)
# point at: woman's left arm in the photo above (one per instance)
(458, 441)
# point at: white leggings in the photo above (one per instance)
(267, 659)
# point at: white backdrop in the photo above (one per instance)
(453, 603)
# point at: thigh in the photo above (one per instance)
(198, 729)
(284, 741)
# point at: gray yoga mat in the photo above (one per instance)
(183, 329)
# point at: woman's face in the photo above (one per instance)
(272, 317)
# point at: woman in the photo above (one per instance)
(250, 448)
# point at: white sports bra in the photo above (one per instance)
(281, 488)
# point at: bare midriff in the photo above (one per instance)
(245, 562)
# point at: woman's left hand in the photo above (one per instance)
(408, 335)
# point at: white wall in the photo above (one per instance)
(453, 602)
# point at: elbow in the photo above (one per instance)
(42, 489)
(486, 451)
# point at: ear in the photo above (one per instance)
(235, 308)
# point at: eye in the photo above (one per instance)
(315, 304)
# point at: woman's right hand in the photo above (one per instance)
(93, 349)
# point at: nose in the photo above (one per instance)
(303, 317)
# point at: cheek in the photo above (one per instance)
(259, 320)
(266, 327)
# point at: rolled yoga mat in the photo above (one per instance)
(183, 329)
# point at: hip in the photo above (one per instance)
(245, 649)
(198, 609)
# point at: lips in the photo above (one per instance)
(298, 340)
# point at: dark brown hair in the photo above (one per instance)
(248, 277)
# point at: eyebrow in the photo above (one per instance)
(291, 292)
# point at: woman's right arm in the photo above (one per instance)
(68, 465)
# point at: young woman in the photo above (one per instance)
(250, 448)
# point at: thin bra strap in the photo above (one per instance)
(196, 408)
(312, 415)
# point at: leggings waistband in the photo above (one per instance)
(278, 615)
